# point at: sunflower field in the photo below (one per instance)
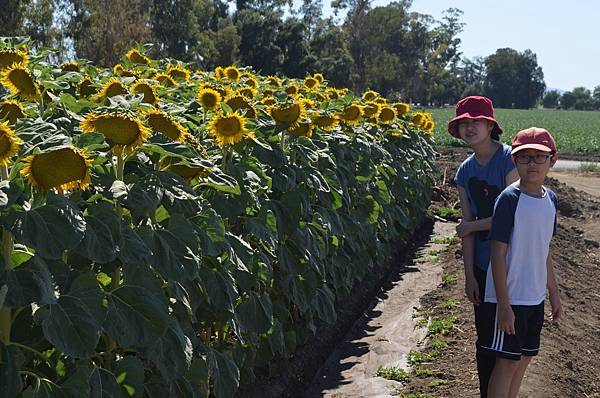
(170, 232)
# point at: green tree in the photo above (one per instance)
(258, 45)
(11, 17)
(551, 99)
(226, 43)
(332, 56)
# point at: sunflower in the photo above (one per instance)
(310, 83)
(273, 81)
(387, 114)
(268, 92)
(308, 103)
(219, 73)
(332, 93)
(164, 80)
(241, 103)
(370, 95)
(268, 100)
(120, 70)
(187, 172)
(251, 82)
(324, 121)
(227, 129)
(10, 57)
(429, 126)
(147, 89)
(72, 66)
(380, 101)
(302, 129)
(209, 98)
(86, 87)
(122, 130)
(167, 125)
(137, 57)
(287, 113)
(9, 144)
(247, 92)
(351, 114)
(319, 77)
(372, 109)
(320, 97)
(65, 169)
(11, 110)
(111, 88)
(292, 89)
(419, 118)
(199, 72)
(178, 72)
(19, 81)
(402, 108)
(232, 73)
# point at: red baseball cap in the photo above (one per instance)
(534, 138)
(473, 107)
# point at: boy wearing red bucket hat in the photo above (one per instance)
(480, 179)
(523, 224)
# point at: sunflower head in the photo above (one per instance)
(251, 82)
(120, 70)
(178, 72)
(292, 89)
(72, 66)
(429, 126)
(209, 98)
(332, 93)
(387, 114)
(219, 73)
(232, 73)
(19, 81)
(310, 83)
(11, 110)
(86, 87)
(418, 118)
(137, 57)
(402, 108)
(289, 113)
(199, 73)
(351, 114)
(370, 95)
(380, 101)
(273, 81)
(372, 109)
(165, 124)
(164, 80)
(302, 129)
(319, 76)
(241, 103)
(325, 121)
(147, 90)
(227, 129)
(111, 88)
(64, 169)
(268, 100)
(247, 92)
(9, 144)
(9, 57)
(123, 131)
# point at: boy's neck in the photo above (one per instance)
(530, 188)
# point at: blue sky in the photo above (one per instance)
(562, 34)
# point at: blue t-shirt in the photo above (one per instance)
(526, 224)
(483, 184)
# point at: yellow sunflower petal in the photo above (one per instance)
(64, 169)
(19, 81)
(10, 57)
(137, 57)
(209, 98)
(123, 131)
(147, 90)
(165, 124)
(111, 88)
(11, 110)
(227, 129)
(9, 144)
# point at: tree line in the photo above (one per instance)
(401, 54)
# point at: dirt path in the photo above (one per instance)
(586, 182)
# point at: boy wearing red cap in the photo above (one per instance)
(480, 179)
(523, 224)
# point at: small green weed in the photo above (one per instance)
(449, 304)
(447, 213)
(589, 167)
(437, 382)
(439, 344)
(441, 326)
(442, 240)
(433, 354)
(393, 373)
(448, 279)
(416, 358)
(423, 372)
(417, 395)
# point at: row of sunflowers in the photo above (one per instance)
(169, 232)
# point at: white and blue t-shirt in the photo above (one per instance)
(526, 223)
(483, 184)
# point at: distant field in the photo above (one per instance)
(574, 131)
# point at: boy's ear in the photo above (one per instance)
(553, 160)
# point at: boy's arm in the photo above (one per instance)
(506, 316)
(468, 251)
(553, 291)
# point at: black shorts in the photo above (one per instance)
(526, 340)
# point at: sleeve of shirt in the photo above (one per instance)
(554, 199)
(507, 162)
(503, 218)
(459, 179)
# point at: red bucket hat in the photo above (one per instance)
(534, 138)
(474, 107)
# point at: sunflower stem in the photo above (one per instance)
(5, 312)
(120, 170)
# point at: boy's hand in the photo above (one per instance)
(506, 319)
(556, 307)
(463, 228)
(472, 290)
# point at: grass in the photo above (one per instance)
(447, 212)
(393, 373)
(441, 326)
(436, 383)
(589, 168)
(449, 304)
(574, 131)
(442, 240)
(448, 279)
(416, 358)
(423, 372)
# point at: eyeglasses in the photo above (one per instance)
(538, 159)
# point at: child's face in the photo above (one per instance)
(475, 131)
(533, 165)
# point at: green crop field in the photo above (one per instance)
(574, 131)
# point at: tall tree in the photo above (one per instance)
(11, 17)
(258, 32)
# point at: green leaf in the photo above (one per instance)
(172, 353)
(29, 283)
(132, 248)
(255, 314)
(49, 229)
(220, 289)
(135, 317)
(225, 375)
(178, 196)
(222, 182)
(10, 382)
(98, 243)
(130, 375)
(104, 384)
(144, 196)
(40, 389)
(325, 304)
